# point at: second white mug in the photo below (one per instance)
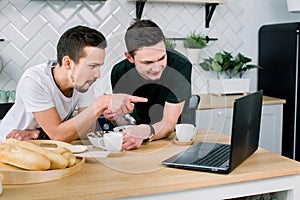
(185, 132)
(111, 141)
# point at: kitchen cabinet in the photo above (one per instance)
(219, 118)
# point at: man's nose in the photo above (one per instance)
(97, 74)
(156, 67)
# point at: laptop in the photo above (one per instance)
(223, 158)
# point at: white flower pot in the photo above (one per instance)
(293, 5)
(229, 86)
(193, 55)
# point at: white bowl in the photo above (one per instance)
(95, 139)
(121, 128)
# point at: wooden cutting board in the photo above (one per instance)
(14, 175)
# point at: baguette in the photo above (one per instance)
(67, 154)
(57, 161)
(23, 158)
(4, 166)
(71, 158)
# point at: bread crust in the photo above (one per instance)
(67, 154)
(57, 161)
(23, 158)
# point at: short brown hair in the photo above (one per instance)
(142, 33)
(73, 41)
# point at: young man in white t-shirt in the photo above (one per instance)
(47, 94)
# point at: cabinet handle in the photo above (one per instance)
(220, 114)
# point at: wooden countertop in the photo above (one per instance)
(140, 172)
(209, 101)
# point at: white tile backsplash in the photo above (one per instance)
(13, 54)
(3, 22)
(17, 71)
(234, 23)
(32, 9)
(52, 34)
(34, 45)
(32, 28)
(14, 35)
(15, 17)
(52, 16)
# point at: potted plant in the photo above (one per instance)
(193, 43)
(232, 68)
(170, 44)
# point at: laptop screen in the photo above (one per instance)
(245, 127)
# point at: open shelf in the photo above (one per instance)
(183, 1)
(210, 6)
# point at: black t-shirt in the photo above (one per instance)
(174, 86)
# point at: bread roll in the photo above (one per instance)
(57, 161)
(60, 150)
(71, 158)
(67, 154)
(23, 158)
(4, 166)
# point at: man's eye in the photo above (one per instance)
(93, 66)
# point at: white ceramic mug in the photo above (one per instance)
(4, 95)
(185, 132)
(111, 141)
(12, 97)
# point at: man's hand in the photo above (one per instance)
(110, 116)
(24, 135)
(123, 103)
(133, 137)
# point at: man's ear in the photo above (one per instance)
(129, 57)
(67, 62)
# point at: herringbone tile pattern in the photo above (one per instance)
(31, 30)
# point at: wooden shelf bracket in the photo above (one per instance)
(209, 11)
(139, 5)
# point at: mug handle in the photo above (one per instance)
(194, 130)
(101, 143)
(7, 93)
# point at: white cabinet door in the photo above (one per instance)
(220, 120)
(271, 128)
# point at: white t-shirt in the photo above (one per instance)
(37, 91)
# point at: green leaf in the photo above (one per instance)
(216, 66)
(195, 40)
(219, 58)
(243, 58)
(237, 67)
(205, 66)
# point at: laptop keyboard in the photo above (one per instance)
(216, 157)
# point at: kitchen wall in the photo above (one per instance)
(31, 30)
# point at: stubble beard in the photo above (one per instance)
(79, 88)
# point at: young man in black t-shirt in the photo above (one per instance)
(162, 76)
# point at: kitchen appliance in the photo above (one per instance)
(278, 54)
